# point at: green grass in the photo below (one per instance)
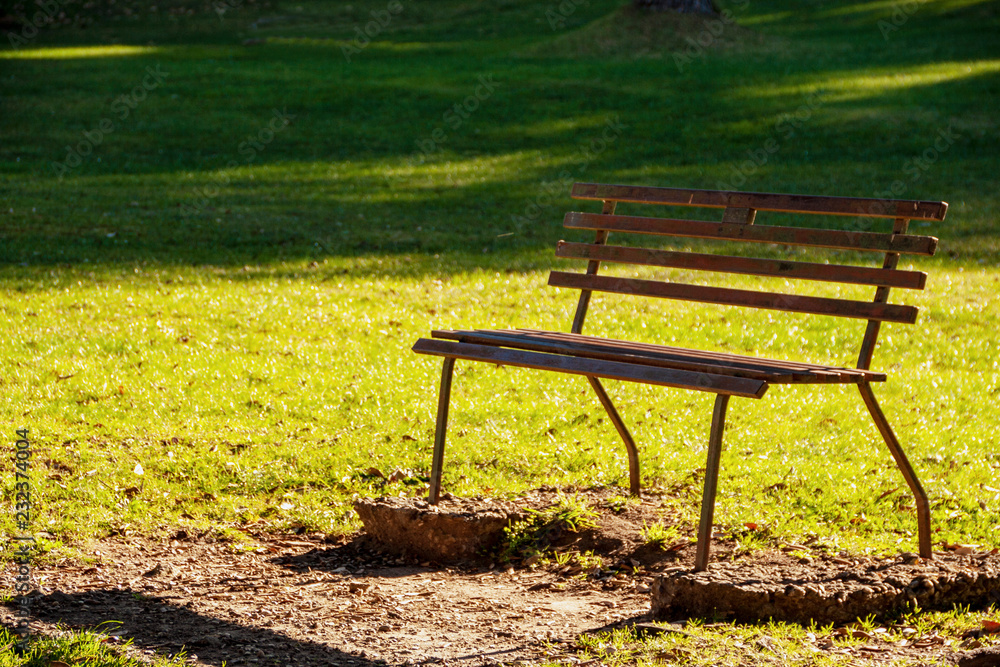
(726, 643)
(237, 320)
(79, 648)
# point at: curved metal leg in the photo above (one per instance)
(711, 483)
(923, 504)
(633, 452)
(444, 396)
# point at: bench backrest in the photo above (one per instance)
(739, 224)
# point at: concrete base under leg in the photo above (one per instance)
(453, 530)
(829, 590)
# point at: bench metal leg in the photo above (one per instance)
(444, 397)
(633, 452)
(923, 504)
(711, 483)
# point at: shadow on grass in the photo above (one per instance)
(346, 180)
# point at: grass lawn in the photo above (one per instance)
(220, 233)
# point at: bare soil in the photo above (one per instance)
(311, 600)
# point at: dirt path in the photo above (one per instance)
(285, 601)
(303, 602)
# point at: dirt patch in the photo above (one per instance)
(453, 530)
(828, 589)
(302, 602)
(306, 600)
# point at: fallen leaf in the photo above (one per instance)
(991, 627)
(398, 475)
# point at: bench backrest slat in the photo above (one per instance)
(856, 206)
(803, 236)
(736, 297)
(783, 268)
(739, 224)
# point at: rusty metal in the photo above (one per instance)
(444, 397)
(600, 238)
(881, 296)
(923, 504)
(633, 452)
(711, 483)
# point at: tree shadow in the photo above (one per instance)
(360, 551)
(359, 173)
(166, 628)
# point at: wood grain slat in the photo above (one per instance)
(651, 350)
(716, 384)
(736, 297)
(803, 236)
(763, 201)
(662, 356)
(725, 357)
(839, 273)
(610, 353)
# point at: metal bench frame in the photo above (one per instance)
(725, 375)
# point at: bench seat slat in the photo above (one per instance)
(669, 377)
(762, 201)
(773, 371)
(727, 358)
(803, 236)
(858, 275)
(736, 297)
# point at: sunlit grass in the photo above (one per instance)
(845, 86)
(239, 391)
(81, 648)
(722, 643)
(238, 322)
(74, 52)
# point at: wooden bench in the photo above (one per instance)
(725, 375)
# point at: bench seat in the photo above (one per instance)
(771, 371)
